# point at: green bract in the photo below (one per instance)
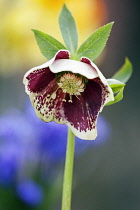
(94, 45)
(115, 85)
(124, 72)
(117, 82)
(68, 29)
(48, 45)
(117, 98)
(91, 48)
(117, 88)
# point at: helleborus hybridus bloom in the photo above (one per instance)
(69, 91)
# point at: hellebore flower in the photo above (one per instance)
(69, 92)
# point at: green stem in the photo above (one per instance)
(68, 172)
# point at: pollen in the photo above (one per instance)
(71, 84)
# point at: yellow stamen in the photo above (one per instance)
(71, 84)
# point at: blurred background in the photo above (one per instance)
(107, 170)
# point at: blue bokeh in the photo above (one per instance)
(30, 192)
(29, 146)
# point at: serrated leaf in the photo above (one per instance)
(68, 29)
(117, 98)
(94, 45)
(125, 72)
(48, 45)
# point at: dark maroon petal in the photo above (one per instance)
(82, 112)
(39, 79)
(109, 96)
(105, 91)
(49, 103)
(86, 60)
(62, 54)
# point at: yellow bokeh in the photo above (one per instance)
(18, 46)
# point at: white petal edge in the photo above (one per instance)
(85, 135)
(76, 67)
(25, 80)
(44, 65)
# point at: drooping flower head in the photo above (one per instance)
(69, 92)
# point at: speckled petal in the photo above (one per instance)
(48, 103)
(82, 113)
(37, 80)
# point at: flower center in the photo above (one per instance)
(71, 84)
